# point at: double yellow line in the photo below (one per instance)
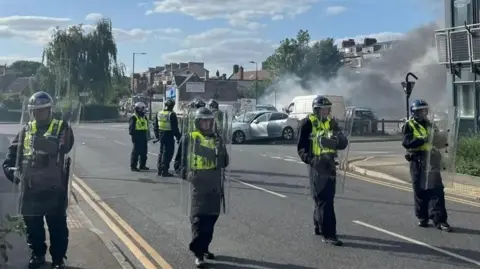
(409, 189)
(132, 240)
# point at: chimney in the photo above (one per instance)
(235, 69)
(241, 72)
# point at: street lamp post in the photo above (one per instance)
(408, 88)
(133, 70)
(256, 80)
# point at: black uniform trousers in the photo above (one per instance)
(139, 150)
(167, 149)
(324, 213)
(58, 230)
(430, 202)
(202, 233)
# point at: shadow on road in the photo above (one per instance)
(228, 262)
(376, 244)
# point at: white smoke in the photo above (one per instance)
(377, 85)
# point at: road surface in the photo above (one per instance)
(269, 223)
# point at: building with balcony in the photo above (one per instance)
(458, 48)
(357, 55)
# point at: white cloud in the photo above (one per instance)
(142, 4)
(38, 30)
(13, 58)
(244, 13)
(93, 17)
(335, 10)
(35, 29)
(221, 48)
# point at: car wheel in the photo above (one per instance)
(287, 133)
(238, 137)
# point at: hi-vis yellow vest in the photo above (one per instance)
(197, 162)
(419, 132)
(141, 124)
(320, 129)
(53, 129)
(163, 118)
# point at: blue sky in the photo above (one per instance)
(220, 33)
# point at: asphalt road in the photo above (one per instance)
(269, 223)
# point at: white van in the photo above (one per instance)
(301, 106)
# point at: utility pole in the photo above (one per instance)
(133, 70)
(256, 80)
(408, 88)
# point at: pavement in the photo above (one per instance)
(269, 218)
(396, 168)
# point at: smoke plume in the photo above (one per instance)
(377, 85)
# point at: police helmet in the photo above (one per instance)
(169, 104)
(204, 120)
(199, 103)
(213, 104)
(320, 103)
(140, 107)
(419, 108)
(40, 106)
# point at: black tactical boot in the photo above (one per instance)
(209, 255)
(134, 169)
(200, 263)
(316, 231)
(58, 264)
(423, 223)
(36, 262)
(332, 240)
(444, 227)
(144, 168)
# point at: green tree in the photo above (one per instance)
(299, 57)
(82, 62)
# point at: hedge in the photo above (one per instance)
(468, 155)
(89, 113)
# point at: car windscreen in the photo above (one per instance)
(246, 117)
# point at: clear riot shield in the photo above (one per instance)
(45, 161)
(345, 130)
(185, 149)
(443, 138)
(330, 150)
(224, 118)
(205, 185)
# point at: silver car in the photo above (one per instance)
(259, 125)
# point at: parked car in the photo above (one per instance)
(259, 125)
(266, 107)
(364, 120)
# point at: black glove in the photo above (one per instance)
(329, 143)
(9, 173)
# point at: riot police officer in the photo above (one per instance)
(166, 128)
(320, 155)
(138, 130)
(214, 106)
(199, 103)
(429, 194)
(205, 175)
(39, 154)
